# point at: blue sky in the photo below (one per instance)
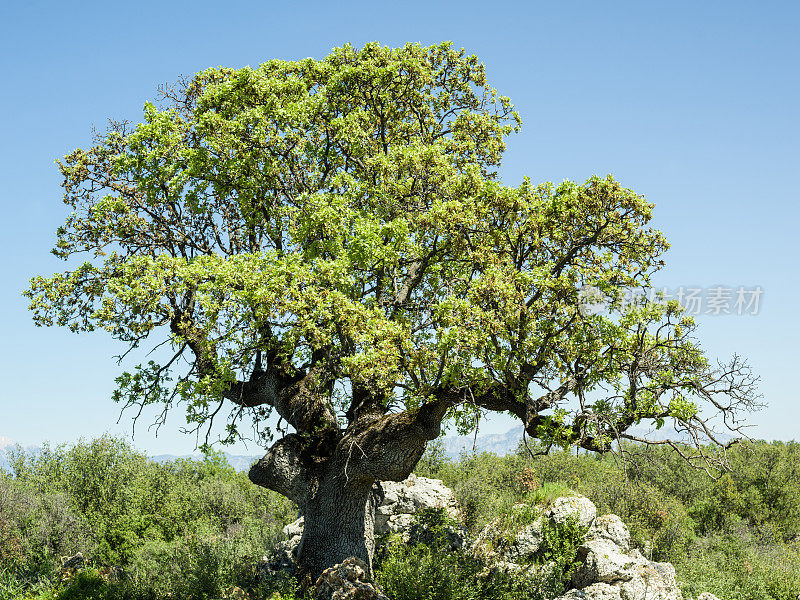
(694, 105)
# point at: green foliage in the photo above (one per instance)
(320, 211)
(225, 524)
(422, 573)
(546, 493)
(726, 536)
(191, 525)
(560, 542)
(86, 585)
(737, 567)
(433, 459)
(430, 570)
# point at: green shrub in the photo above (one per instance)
(87, 585)
(429, 570)
(36, 528)
(118, 507)
(735, 567)
(194, 528)
(560, 542)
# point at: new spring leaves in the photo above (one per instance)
(345, 215)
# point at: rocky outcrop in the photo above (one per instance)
(347, 581)
(579, 507)
(611, 528)
(596, 591)
(495, 547)
(401, 499)
(609, 569)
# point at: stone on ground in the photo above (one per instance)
(348, 580)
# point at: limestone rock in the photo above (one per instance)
(407, 497)
(630, 575)
(293, 529)
(604, 562)
(601, 591)
(581, 507)
(397, 523)
(494, 546)
(648, 583)
(667, 573)
(611, 528)
(526, 542)
(348, 580)
(596, 591)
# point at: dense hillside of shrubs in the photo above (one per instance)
(197, 529)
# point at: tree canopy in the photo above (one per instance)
(330, 239)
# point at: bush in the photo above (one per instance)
(430, 570)
(36, 528)
(735, 567)
(87, 585)
(196, 528)
(168, 525)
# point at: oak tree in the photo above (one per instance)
(329, 240)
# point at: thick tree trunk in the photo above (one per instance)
(332, 478)
(339, 523)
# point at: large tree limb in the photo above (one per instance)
(388, 447)
(301, 397)
(290, 468)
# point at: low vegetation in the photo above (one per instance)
(197, 528)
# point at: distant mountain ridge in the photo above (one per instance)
(237, 461)
(496, 443)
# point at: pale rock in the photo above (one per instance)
(348, 580)
(637, 555)
(526, 542)
(294, 528)
(667, 573)
(601, 591)
(603, 561)
(596, 591)
(408, 496)
(399, 524)
(493, 546)
(566, 506)
(611, 528)
(648, 583)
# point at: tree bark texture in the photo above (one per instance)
(334, 478)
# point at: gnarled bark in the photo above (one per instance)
(339, 522)
(335, 481)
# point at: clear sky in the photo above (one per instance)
(693, 104)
